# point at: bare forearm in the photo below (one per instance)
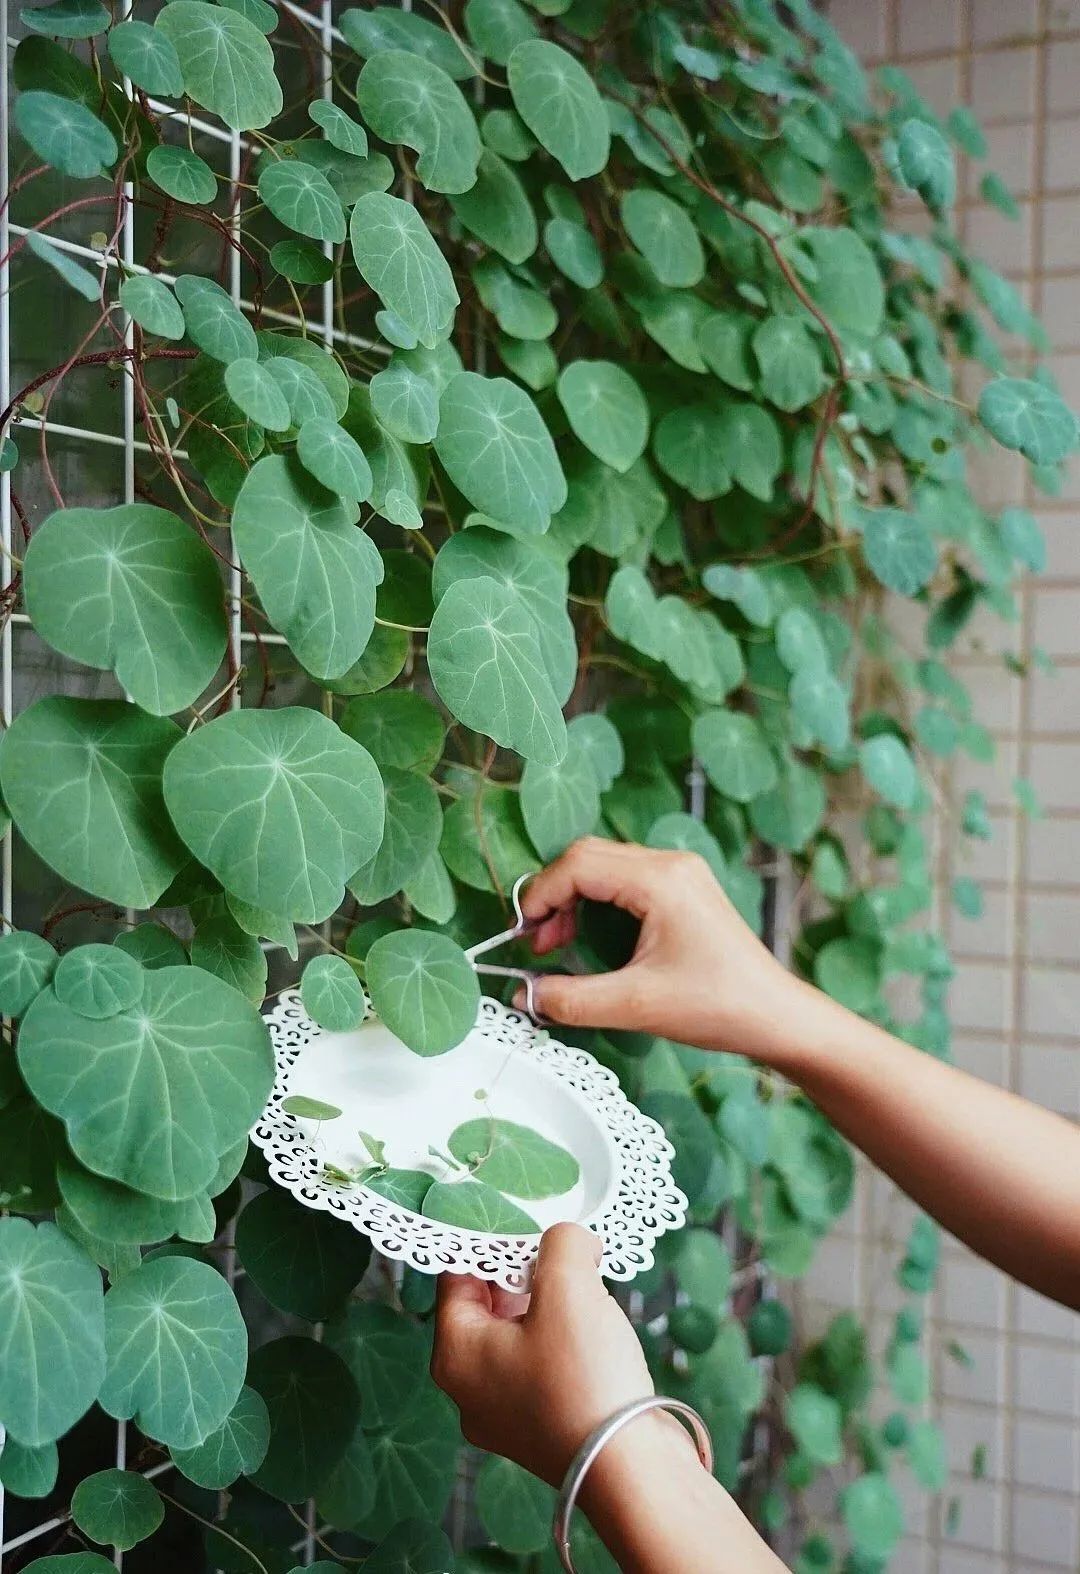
(1000, 1173)
(658, 1511)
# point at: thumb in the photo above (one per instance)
(582, 999)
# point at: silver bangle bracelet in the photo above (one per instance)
(596, 1440)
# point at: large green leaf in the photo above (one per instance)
(385, 27)
(304, 1261)
(815, 1421)
(396, 256)
(405, 403)
(889, 768)
(1024, 414)
(154, 1095)
(314, 1407)
(606, 410)
(148, 57)
(387, 1354)
(496, 27)
(27, 962)
(65, 134)
(513, 1158)
(536, 577)
(424, 988)
(303, 200)
(214, 322)
(399, 728)
(413, 1460)
(28, 1472)
(66, 18)
(52, 1352)
(118, 1508)
(405, 98)
(315, 572)
(789, 362)
(485, 662)
(873, 1515)
(67, 764)
(665, 234)
(227, 64)
(237, 1447)
(279, 804)
(484, 840)
(688, 447)
(176, 1348)
(133, 589)
(558, 101)
(498, 451)
(111, 1212)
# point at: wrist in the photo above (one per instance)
(653, 1446)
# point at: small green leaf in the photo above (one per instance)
(496, 27)
(66, 18)
(28, 1472)
(117, 1508)
(80, 279)
(514, 1507)
(332, 994)
(926, 163)
(27, 962)
(405, 98)
(304, 1261)
(406, 404)
(688, 447)
(399, 728)
(1026, 415)
(873, 1515)
(411, 834)
(497, 210)
(513, 1158)
(98, 981)
(397, 257)
(214, 323)
(899, 549)
(237, 1447)
(424, 988)
(221, 947)
(735, 754)
(574, 252)
(338, 128)
(890, 770)
(153, 306)
(814, 1420)
(607, 411)
(850, 971)
(789, 362)
(559, 102)
(305, 1108)
(314, 1408)
(472, 1205)
(665, 234)
(181, 173)
(300, 261)
(302, 199)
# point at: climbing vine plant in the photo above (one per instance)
(548, 407)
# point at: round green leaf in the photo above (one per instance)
(520, 311)
(280, 805)
(180, 172)
(496, 27)
(117, 1508)
(220, 946)
(133, 589)
(735, 754)
(386, 1353)
(302, 199)
(788, 814)
(176, 1349)
(152, 945)
(411, 834)
(607, 411)
(513, 1158)
(789, 362)
(301, 547)
(413, 1462)
(28, 1472)
(335, 459)
(688, 447)
(147, 57)
(899, 549)
(227, 64)
(850, 971)
(505, 135)
(98, 981)
(313, 1406)
(1023, 414)
(302, 262)
(560, 803)
(111, 1212)
(514, 1507)
(253, 388)
(53, 1353)
(153, 306)
(558, 101)
(490, 837)
(65, 134)
(751, 447)
(405, 98)
(66, 18)
(72, 1563)
(815, 1420)
(338, 128)
(848, 286)
(27, 962)
(497, 210)
(199, 1103)
(498, 452)
(926, 163)
(332, 994)
(486, 665)
(423, 988)
(406, 404)
(724, 339)
(574, 252)
(665, 235)
(385, 27)
(68, 763)
(236, 1448)
(399, 728)
(214, 323)
(743, 586)
(873, 1515)
(890, 770)
(397, 257)
(474, 1205)
(304, 1261)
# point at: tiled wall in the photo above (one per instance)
(1016, 998)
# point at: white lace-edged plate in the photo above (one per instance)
(625, 1195)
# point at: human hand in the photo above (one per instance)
(698, 973)
(534, 1375)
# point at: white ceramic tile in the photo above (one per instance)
(861, 24)
(1045, 1528)
(1001, 21)
(1055, 774)
(984, 1380)
(971, 1427)
(938, 81)
(1046, 1455)
(961, 1560)
(973, 1293)
(1060, 232)
(1055, 700)
(1056, 628)
(1050, 1002)
(1047, 1380)
(1009, 153)
(1037, 1315)
(926, 27)
(1003, 83)
(987, 936)
(1059, 149)
(1052, 849)
(1052, 927)
(987, 1059)
(979, 996)
(1063, 16)
(982, 1515)
(1063, 72)
(1050, 1076)
(1058, 529)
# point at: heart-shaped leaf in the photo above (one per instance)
(332, 994)
(146, 55)
(313, 1406)
(98, 981)
(227, 64)
(559, 102)
(513, 1158)
(65, 134)
(424, 988)
(498, 452)
(305, 1262)
(474, 1205)
(236, 1448)
(303, 200)
(607, 411)
(118, 1508)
